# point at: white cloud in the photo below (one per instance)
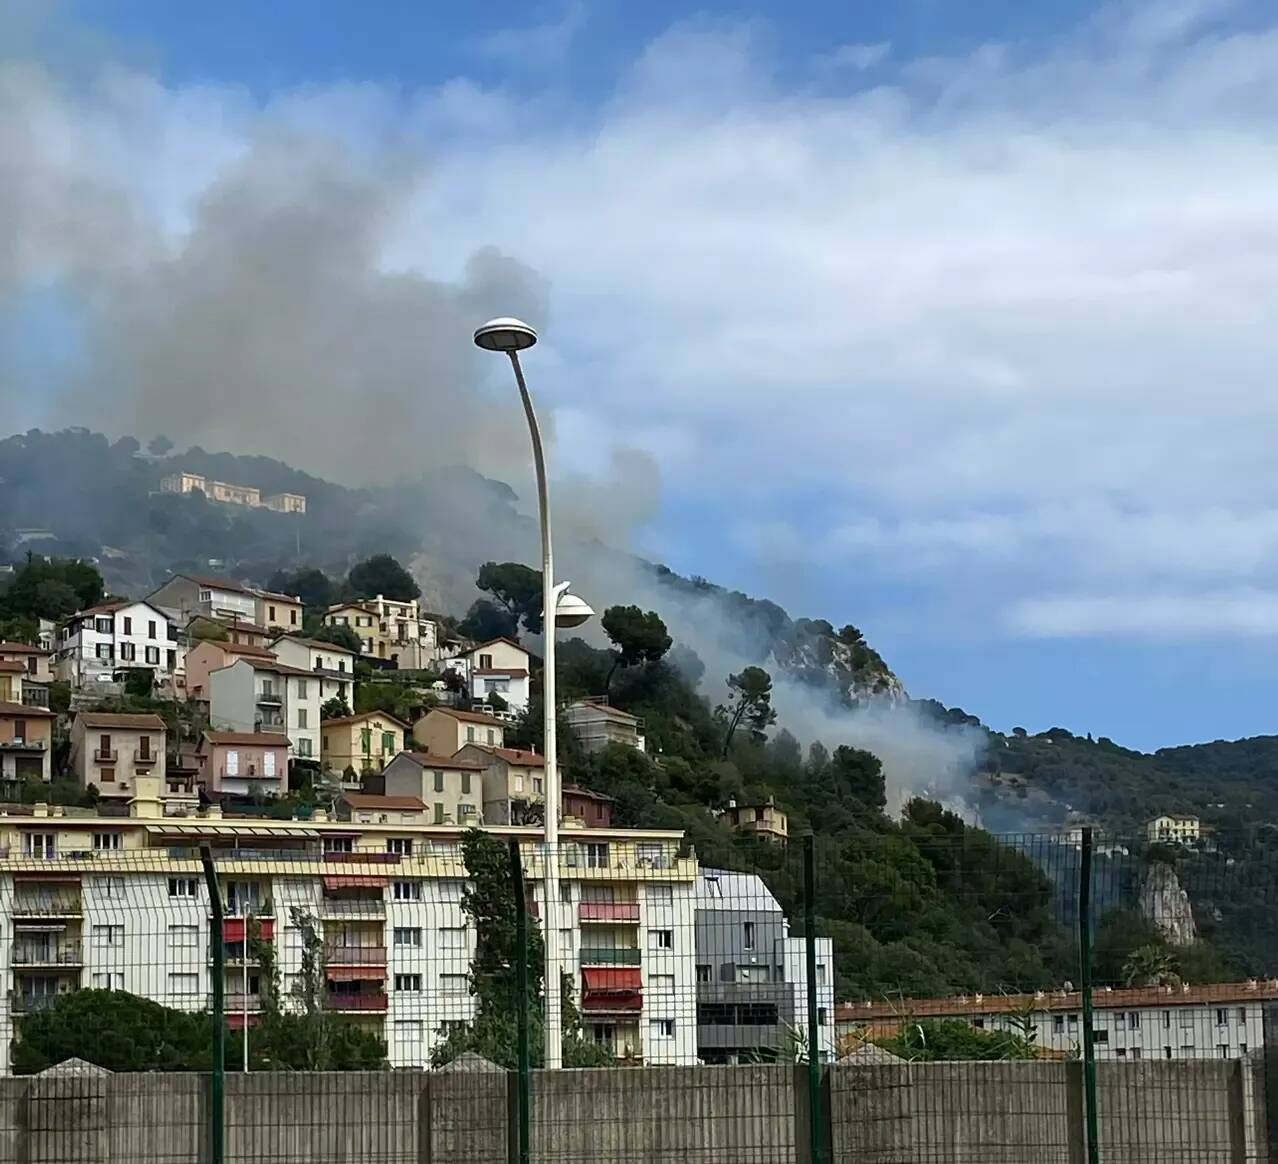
(1170, 617)
(543, 45)
(858, 56)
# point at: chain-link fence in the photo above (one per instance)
(325, 996)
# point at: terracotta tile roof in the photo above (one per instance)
(428, 760)
(277, 668)
(231, 623)
(468, 716)
(517, 756)
(291, 598)
(264, 739)
(244, 649)
(1057, 1000)
(315, 643)
(105, 607)
(22, 711)
(401, 803)
(359, 717)
(215, 583)
(7, 648)
(586, 793)
(13, 666)
(110, 719)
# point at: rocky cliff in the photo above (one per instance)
(1166, 904)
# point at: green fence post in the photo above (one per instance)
(523, 1066)
(1085, 983)
(217, 1104)
(815, 1113)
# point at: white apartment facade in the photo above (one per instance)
(391, 630)
(1174, 830)
(498, 667)
(333, 666)
(94, 644)
(120, 902)
(264, 695)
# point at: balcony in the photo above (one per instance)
(608, 911)
(239, 1003)
(22, 1002)
(270, 697)
(613, 957)
(69, 954)
(105, 755)
(47, 905)
(357, 1002)
(352, 908)
(23, 745)
(611, 991)
(335, 955)
(145, 762)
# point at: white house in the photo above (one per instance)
(1173, 829)
(93, 644)
(332, 665)
(264, 695)
(498, 667)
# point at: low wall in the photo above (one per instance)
(944, 1113)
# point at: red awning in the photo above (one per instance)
(355, 881)
(612, 978)
(355, 973)
(233, 929)
(236, 1020)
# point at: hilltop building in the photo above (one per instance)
(228, 494)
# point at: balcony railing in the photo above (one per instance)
(147, 761)
(23, 745)
(268, 695)
(239, 1003)
(69, 954)
(618, 1001)
(336, 955)
(47, 904)
(362, 1002)
(614, 957)
(353, 907)
(20, 1002)
(608, 911)
(105, 755)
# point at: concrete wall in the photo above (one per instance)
(944, 1113)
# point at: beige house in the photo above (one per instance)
(390, 629)
(37, 663)
(596, 724)
(1173, 830)
(514, 781)
(206, 657)
(452, 789)
(236, 631)
(365, 809)
(110, 750)
(279, 612)
(12, 673)
(26, 740)
(764, 820)
(443, 730)
(366, 742)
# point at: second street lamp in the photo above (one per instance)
(513, 336)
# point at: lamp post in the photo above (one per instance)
(559, 608)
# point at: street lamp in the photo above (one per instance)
(513, 336)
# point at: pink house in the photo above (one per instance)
(243, 763)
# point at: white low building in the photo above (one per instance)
(498, 667)
(95, 644)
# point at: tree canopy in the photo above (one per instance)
(639, 636)
(517, 590)
(50, 588)
(340, 635)
(382, 574)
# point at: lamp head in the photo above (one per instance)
(571, 611)
(505, 335)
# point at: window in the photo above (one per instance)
(1133, 1020)
(1222, 1051)
(485, 662)
(150, 628)
(301, 689)
(408, 936)
(128, 625)
(128, 652)
(103, 626)
(104, 841)
(112, 887)
(153, 656)
(661, 939)
(108, 980)
(103, 651)
(1121, 1052)
(713, 888)
(1058, 1022)
(449, 890)
(596, 856)
(338, 844)
(232, 763)
(184, 983)
(465, 783)
(301, 718)
(492, 738)
(366, 741)
(661, 1028)
(820, 977)
(408, 891)
(439, 782)
(206, 595)
(40, 845)
(271, 614)
(401, 845)
(978, 1023)
(565, 892)
(181, 886)
(1073, 1020)
(823, 1017)
(106, 936)
(144, 747)
(1135, 1052)
(454, 984)
(519, 782)
(1167, 1052)
(1166, 1019)
(1241, 1016)
(388, 741)
(1100, 1036)
(470, 735)
(1242, 1048)
(703, 972)
(410, 983)
(661, 983)
(452, 938)
(439, 812)
(292, 617)
(659, 894)
(304, 746)
(170, 659)
(183, 937)
(537, 785)
(1222, 1017)
(747, 935)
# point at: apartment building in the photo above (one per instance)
(752, 975)
(498, 667)
(332, 665)
(253, 694)
(1218, 1021)
(514, 783)
(186, 595)
(592, 809)
(211, 655)
(243, 763)
(37, 663)
(226, 493)
(26, 741)
(121, 902)
(110, 751)
(391, 630)
(1173, 830)
(365, 742)
(596, 724)
(95, 644)
(226, 629)
(451, 788)
(278, 612)
(442, 731)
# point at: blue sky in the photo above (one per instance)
(952, 320)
